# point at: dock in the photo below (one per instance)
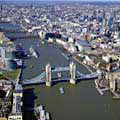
(116, 95)
(101, 91)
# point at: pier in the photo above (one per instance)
(101, 91)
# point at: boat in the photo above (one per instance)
(61, 89)
(42, 42)
(59, 75)
(31, 66)
(33, 52)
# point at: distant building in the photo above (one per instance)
(82, 45)
(106, 59)
(1, 63)
(1, 38)
(7, 59)
(71, 48)
(52, 35)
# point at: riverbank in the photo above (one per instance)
(90, 71)
(11, 75)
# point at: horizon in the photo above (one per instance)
(64, 0)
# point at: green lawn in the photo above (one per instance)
(12, 74)
(1, 76)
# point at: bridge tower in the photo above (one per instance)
(72, 73)
(48, 75)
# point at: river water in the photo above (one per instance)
(80, 102)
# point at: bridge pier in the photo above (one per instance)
(72, 73)
(48, 75)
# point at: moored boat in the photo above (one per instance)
(61, 89)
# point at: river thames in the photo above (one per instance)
(80, 102)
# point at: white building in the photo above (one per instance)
(106, 58)
(103, 46)
(72, 48)
(16, 113)
(71, 40)
(59, 41)
(82, 45)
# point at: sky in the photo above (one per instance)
(67, 0)
(60, 0)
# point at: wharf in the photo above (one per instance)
(101, 91)
(116, 95)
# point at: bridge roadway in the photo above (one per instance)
(41, 78)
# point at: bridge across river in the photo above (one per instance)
(41, 79)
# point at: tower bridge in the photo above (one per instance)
(46, 76)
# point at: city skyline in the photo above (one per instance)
(59, 59)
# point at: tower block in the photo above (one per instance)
(72, 73)
(48, 75)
